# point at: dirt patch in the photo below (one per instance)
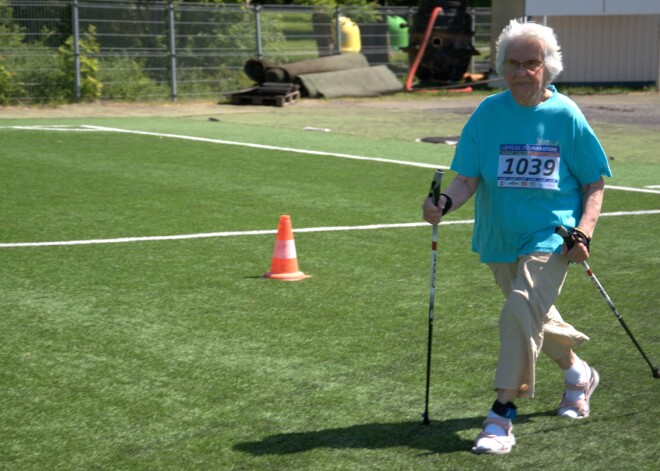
(117, 110)
(640, 109)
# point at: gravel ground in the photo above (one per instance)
(639, 109)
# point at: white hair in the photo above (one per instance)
(522, 29)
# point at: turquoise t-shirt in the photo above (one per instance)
(532, 163)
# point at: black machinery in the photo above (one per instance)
(440, 42)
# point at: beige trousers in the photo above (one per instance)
(529, 321)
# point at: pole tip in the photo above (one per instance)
(656, 373)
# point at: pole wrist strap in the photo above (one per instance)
(581, 237)
(448, 203)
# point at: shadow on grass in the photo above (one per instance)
(437, 437)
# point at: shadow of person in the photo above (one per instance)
(437, 437)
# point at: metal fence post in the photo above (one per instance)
(257, 26)
(76, 50)
(172, 36)
(410, 18)
(474, 32)
(338, 29)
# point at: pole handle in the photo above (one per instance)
(564, 234)
(435, 186)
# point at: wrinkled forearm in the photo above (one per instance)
(592, 202)
(461, 189)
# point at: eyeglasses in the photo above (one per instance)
(511, 66)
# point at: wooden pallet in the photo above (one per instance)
(258, 97)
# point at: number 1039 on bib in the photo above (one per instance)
(537, 169)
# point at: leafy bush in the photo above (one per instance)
(9, 86)
(124, 78)
(212, 45)
(11, 37)
(90, 85)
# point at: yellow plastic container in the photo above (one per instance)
(350, 35)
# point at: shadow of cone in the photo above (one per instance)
(284, 265)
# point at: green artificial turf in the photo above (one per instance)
(177, 354)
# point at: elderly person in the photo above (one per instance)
(534, 163)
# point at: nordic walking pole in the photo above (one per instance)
(435, 195)
(569, 241)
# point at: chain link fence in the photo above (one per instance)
(73, 50)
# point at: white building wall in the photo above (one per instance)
(603, 41)
(612, 48)
(591, 7)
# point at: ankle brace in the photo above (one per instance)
(507, 410)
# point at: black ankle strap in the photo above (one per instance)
(507, 410)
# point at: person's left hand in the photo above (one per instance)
(578, 254)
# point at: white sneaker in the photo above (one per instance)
(579, 409)
(487, 443)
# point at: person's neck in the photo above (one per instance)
(536, 99)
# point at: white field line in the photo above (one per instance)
(638, 190)
(52, 127)
(631, 213)
(89, 127)
(65, 128)
(263, 146)
(207, 235)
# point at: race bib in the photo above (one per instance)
(528, 166)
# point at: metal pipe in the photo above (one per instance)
(76, 50)
(172, 42)
(257, 25)
(338, 28)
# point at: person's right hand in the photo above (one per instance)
(432, 213)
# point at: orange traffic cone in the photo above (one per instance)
(285, 261)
